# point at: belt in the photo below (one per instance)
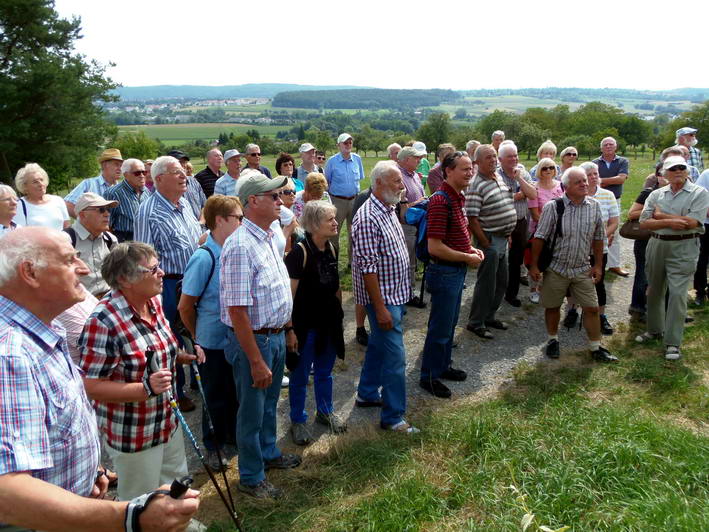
(344, 197)
(176, 276)
(675, 237)
(446, 262)
(268, 330)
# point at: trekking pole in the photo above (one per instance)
(153, 364)
(423, 281)
(212, 432)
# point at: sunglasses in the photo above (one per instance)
(273, 195)
(545, 168)
(138, 173)
(151, 271)
(319, 158)
(288, 192)
(254, 154)
(102, 210)
(239, 217)
(677, 168)
(572, 154)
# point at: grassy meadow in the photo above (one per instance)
(177, 134)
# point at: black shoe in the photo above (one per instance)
(603, 355)
(688, 319)
(700, 300)
(497, 324)
(452, 374)
(524, 281)
(416, 302)
(482, 332)
(436, 387)
(361, 403)
(362, 336)
(285, 461)
(552, 349)
(515, 302)
(606, 328)
(571, 318)
(214, 462)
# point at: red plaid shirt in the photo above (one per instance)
(113, 346)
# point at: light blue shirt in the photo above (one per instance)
(210, 331)
(703, 181)
(97, 185)
(226, 185)
(343, 175)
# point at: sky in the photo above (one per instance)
(415, 44)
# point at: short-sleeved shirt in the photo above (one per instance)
(691, 200)
(47, 425)
(97, 185)
(378, 247)
(210, 331)
(301, 173)
(619, 165)
(695, 158)
(520, 205)
(609, 208)
(115, 345)
(129, 201)
(544, 195)
(51, 214)
(435, 178)
(490, 200)
(93, 252)
(207, 178)
(253, 275)
(73, 320)
(195, 197)
(446, 219)
(227, 186)
(424, 167)
(343, 175)
(412, 183)
(703, 181)
(581, 225)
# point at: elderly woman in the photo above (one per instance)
(315, 189)
(568, 156)
(8, 209)
(546, 150)
(128, 354)
(548, 188)
(675, 214)
(317, 318)
(36, 206)
(435, 175)
(285, 166)
(200, 312)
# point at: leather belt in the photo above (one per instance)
(343, 197)
(176, 276)
(675, 237)
(446, 262)
(268, 330)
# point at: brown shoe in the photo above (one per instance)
(186, 404)
(619, 271)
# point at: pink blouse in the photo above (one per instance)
(544, 196)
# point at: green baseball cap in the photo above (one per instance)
(258, 184)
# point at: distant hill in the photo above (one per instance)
(580, 94)
(205, 92)
(366, 98)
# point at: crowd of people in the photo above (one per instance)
(238, 272)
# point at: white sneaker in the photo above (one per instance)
(646, 337)
(285, 382)
(672, 353)
(534, 297)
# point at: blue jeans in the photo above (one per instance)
(322, 364)
(385, 366)
(445, 283)
(256, 420)
(220, 394)
(638, 301)
(491, 284)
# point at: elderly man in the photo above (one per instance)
(307, 154)
(520, 183)
(228, 184)
(208, 177)
(492, 217)
(256, 303)
(451, 253)
(613, 170)
(50, 448)
(470, 148)
(8, 209)
(253, 159)
(380, 278)
(393, 151)
(166, 222)
(194, 195)
(675, 214)
(91, 238)
(343, 172)
(497, 138)
(409, 158)
(129, 195)
(110, 161)
(687, 136)
(580, 229)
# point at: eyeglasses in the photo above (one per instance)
(239, 217)
(288, 192)
(102, 210)
(545, 168)
(254, 154)
(178, 173)
(320, 158)
(572, 154)
(677, 168)
(151, 271)
(138, 173)
(273, 195)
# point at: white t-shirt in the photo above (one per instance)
(278, 237)
(51, 214)
(286, 216)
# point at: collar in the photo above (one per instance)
(167, 202)
(451, 191)
(211, 243)
(230, 176)
(125, 184)
(340, 157)
(255, 230)
(12, 225)
(121, 305)
(82, 233)
(51, 336)
(405, 172)
(567, 201)
(381, 206)
(491, 177)
(615, 158)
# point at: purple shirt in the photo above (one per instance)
(412, 182)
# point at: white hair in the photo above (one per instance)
(7, 190)
(498, 133)
(26, 171)
(251, 146)
(471, 144)
(505, 147)
(391, 147)
(609, 138)
(566, 178)
(588, 166)
(16, 248)
(314, 213)
(381, 170)
(128, 165)
(547, 145)
(160, 165)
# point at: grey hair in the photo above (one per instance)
(128, 165)
(546, 145)
(672, 150)
(471, 144)
(566, 178)
(26, 171)
(251, 146)
(314, 213)
(160, 165)
(392, 146)
(7, 190)
(505, 147)
(481, 149)
(122, 263)
(588, 166)
(498, 133)
(608, 138)
(381, 170)
(16, 248)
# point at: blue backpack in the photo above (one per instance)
(418, 216)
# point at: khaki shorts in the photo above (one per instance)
(555, 286)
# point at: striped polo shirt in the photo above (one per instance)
(446, 219)
(490, 200)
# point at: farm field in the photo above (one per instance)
(176, 134)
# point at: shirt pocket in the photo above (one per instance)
(63, 407)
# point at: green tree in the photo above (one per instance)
(138, 145)
(436, 130)
(49, 95)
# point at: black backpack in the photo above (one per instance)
(108, 238)
(547, 252)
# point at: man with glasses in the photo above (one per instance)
(110, 161)
(320, 158)
(208, 177)
(91, 238)
(253, 159)
(228, 184)
(687, 136)
(614, 170)
(130, 194)
(308, 154)
(194, 195)
(166, 222)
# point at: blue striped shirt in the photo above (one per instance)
(226, 185)
(97, 185)
(343, 175)
(172, 231)
(124, 214)
(195, 196)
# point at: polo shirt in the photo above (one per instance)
(619, 165)
(446, 219)
(490, 200)
(206, 178)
